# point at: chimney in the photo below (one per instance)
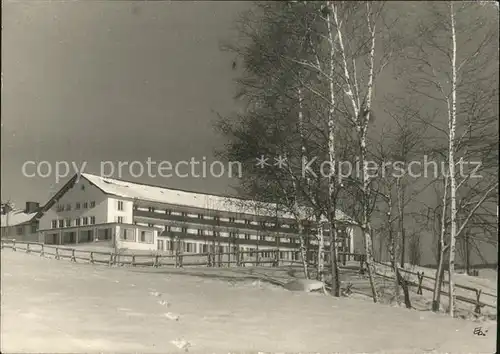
(32, 207)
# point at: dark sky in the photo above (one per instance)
(122, 81)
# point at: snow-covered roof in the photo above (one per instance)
(15, 217)
(157, 194)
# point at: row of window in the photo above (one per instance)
(215, 233)
(218, 218)
(21, 229)
(78, 206)
(75, 222)
(129, 235)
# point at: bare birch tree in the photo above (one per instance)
(452, 67)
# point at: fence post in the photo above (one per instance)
(180, 260)
(238, 257)
(91, 259)
(57, 253)
(42, 251)
(420, 279)
(156, 262)
(257, 258)
(14, 245)
(110, 259)
(276, 258)
(73, 258)
(176, 254)
(361, 264)
(133, 260)
(28, 248)
(209, 259)
(478, 303)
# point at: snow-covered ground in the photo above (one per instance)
(54, 306)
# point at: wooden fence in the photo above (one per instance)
(421, 276)
(237, 258)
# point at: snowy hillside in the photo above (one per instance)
(58, 306)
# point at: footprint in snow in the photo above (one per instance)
(172, 316)
(164, 303)
(182, 344)
(155, 293)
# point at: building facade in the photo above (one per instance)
(143, 217)
(20, 224)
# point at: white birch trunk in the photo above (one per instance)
(303, 248)
(451, 162)
(360, 121)
(363, 119)
(332, 159)
(321, 251)
(436, 296)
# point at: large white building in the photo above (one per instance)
(144, 217)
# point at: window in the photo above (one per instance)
(216, 218)
(184, 230)
(200, 232)
(78, 222)
(151, 209)
(262, 237)
(92, 204)
(200, 216)
(143, 236)
(68, 207)
(85, 221)
(233, 234)
(68, 222)
(120, 205)
(151, 225)
(247, 222)
(34, 228)
(247, 236)
(77, 206)
(231, 219)
(92, 220)
(167, 228)
(85, 205)
(159, 244)
(168, 211)
(19, 230)
(54, 224)
(184, 214)
(59, 207)
(82, 187)
(127, 235)
(61, 223)
(119, 219)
